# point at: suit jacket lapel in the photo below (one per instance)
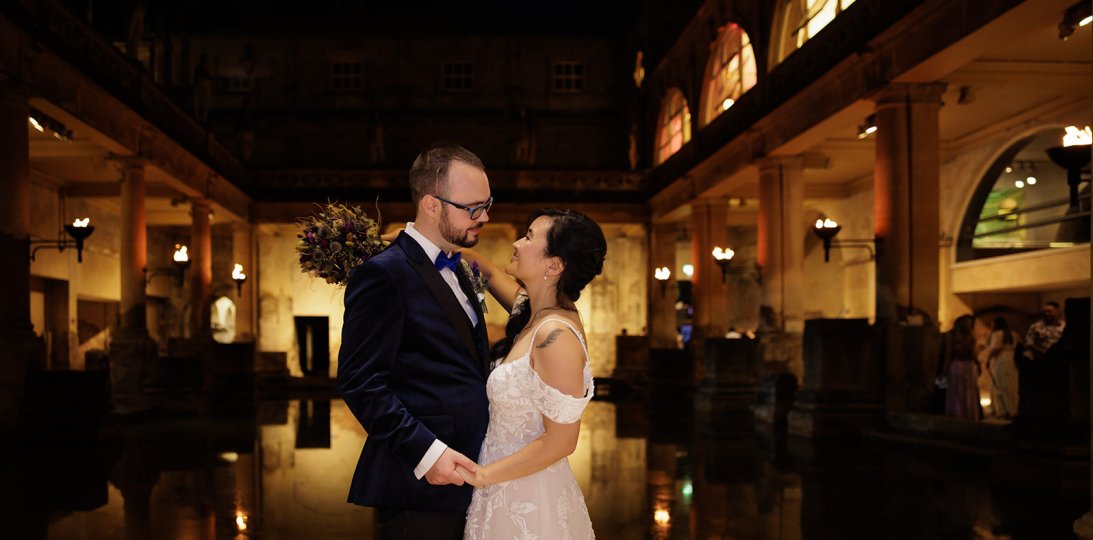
(481, 340)
(443, 293)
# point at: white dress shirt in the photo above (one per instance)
(431, 251)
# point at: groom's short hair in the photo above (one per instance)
(429, 173)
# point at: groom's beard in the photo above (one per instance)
(457, 237)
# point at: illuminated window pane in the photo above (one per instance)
(731, 71)
(674, 127)
(800, 21)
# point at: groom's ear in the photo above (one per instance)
(430, 206)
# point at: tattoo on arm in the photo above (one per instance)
(550, 339)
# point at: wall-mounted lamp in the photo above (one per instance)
(181, 260)
(45, 123)
(827, 229)
(723, 257)
(238, 277)
(79, 230)
(688, 270)
(869, 127)
(1079, 14)
(1072, 156)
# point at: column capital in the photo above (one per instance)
(128, 163)
(710, 202)
(898, 93)
(806, 160)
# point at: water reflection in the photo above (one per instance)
(282, 469)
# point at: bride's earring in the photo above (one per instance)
(544, 277)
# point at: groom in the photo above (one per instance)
(413, 360)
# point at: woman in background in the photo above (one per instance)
(962, 370)
(1002, 369)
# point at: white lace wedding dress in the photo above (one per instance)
(549, 503)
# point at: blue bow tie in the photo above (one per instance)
(443, 260)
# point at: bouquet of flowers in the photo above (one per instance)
(336, 240)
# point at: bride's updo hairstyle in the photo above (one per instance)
(576, 240)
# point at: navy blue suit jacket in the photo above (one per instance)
(411, 369)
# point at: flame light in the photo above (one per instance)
(81, 223)
(181, 253)
(237, 272)
(826, 224)
(662, 517)
(241, 521)
(1075, 136)
(723, 254)
(662, 273)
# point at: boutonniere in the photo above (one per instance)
(479, 281)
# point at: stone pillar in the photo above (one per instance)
(781, 246)
(1083, 527)
(132, 350)
(709, 225)
(781, 250)
(134, 250)
(201, 268)
(22, 348)
(905, 206)
(662, 307)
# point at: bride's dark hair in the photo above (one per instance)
(578, 241)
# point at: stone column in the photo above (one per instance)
(662, 307)
(1083, 527)
(905, 203)
(201, 268)
(132, 349)
(134, 250)
(782, 242)
(709, 224)
(22, 348)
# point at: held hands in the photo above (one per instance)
(444, 470)
(476, 479)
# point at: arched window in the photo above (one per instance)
(729, 73)
(1023, 203)
(797, 21)
(674, 127)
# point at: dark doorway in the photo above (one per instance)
(313, 339)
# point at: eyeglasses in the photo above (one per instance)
(475, 211)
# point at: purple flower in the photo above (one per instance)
(474, 268)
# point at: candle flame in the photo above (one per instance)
(81, 223)
(237, 273)
(662, 273)
(181, 253)
(826, 224)
(723, 254)
(241, 521)
(662, 517)
(1075, 136)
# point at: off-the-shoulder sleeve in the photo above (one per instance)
(557, 405)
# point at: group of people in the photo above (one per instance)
(964, 359)
(465, 441)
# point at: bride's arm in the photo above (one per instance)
(502, 286)
(558, 358)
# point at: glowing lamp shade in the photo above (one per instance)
(182, 253)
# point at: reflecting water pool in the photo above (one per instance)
(281, 470)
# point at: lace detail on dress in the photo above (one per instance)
(546, 504)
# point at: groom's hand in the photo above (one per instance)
(443, 471)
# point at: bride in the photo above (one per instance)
(539, 387)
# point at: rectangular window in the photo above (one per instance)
(568, 77)
(457, 77)
(346, 76)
